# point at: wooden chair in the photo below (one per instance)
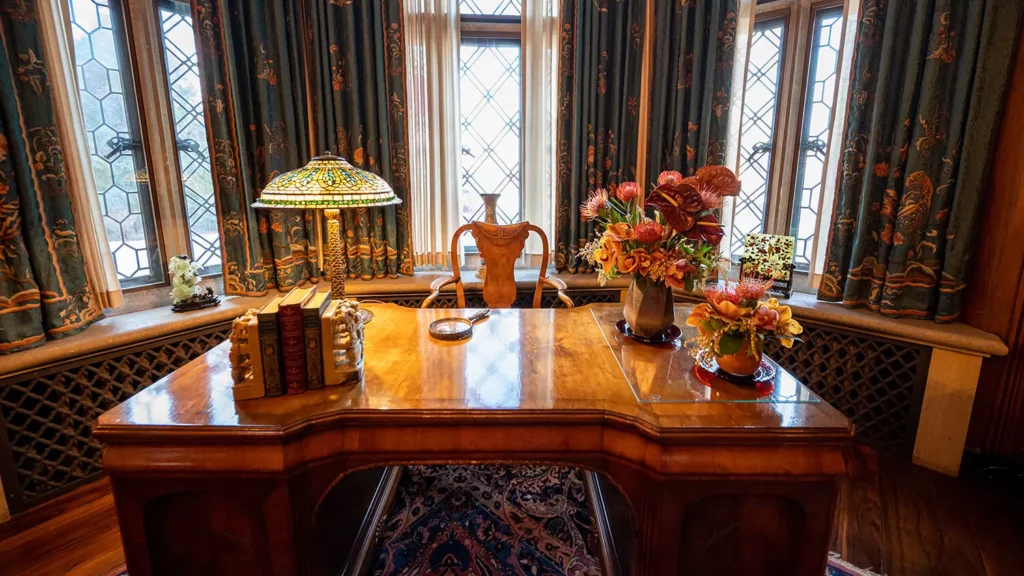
(500, 246)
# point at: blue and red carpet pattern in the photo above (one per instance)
(490, 520)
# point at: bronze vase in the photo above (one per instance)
(649, 308)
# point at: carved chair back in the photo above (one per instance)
(500, 246)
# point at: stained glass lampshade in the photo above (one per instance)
(327, 182)
(331, 184)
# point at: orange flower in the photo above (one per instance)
(605, 258)
(620, 231)
(643, 260)
(627, 263)
(732, 311)
(677, 273)
(698, 315)
(785, 326)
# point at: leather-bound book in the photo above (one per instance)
(311, 312)
(293, 341)
(270, 347)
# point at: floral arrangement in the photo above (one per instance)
(186, 291)
(184, 278)
(669, 238)
(735, 317)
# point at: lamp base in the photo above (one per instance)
(335, 258)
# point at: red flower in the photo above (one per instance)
(648, 232)
(677, 203)
(715, 182)
(708, 229)
(669, 177)
(628, 191)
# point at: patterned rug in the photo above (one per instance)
(494, 520)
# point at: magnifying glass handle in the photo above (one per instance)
(479, 315)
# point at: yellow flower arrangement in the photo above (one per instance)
(735, 317)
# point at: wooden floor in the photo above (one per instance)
(894, 518)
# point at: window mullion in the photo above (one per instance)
(790, 120)
(158, 126)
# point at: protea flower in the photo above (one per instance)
(648, 232)
(669, 177)
(595, 204)
(628, 191)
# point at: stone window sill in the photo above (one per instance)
(132, 327)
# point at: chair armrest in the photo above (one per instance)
(558, 285)
(435, 290)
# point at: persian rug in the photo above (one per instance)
(493, 519)
(837, 567)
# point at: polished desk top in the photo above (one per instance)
(545, 364)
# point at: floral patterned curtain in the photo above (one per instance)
(43, 288)
(598, 110)
(252, 62)
(928, 84)
(357, 60)
(694, 50)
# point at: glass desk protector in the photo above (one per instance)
(664, 374)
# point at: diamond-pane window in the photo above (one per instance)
(764, 69)
(114, 139)
(489, 86)
(817, 122)
(190, 133)
(491, 7)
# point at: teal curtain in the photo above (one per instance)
(598, 111)
(43, 289)
(358, 82)
(252, 62)
(693, 56)
(928, 84)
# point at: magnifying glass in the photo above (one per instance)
(456, 328)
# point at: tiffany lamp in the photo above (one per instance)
(331, 184)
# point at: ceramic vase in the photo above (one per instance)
(649, 308)
(490, 217)
(741, 363)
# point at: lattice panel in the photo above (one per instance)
(49, 418)
(876, 383)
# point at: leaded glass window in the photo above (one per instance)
(760, 102)
(182, 65)
(491, 7)
(817, 122)
(110, 112)
(489, 85)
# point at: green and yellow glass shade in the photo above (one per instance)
(331, 184)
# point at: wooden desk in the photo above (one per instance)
(719, 480)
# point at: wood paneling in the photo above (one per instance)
(995, 299)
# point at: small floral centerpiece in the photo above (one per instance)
(735, 322)
(186, 291)
(670, 239)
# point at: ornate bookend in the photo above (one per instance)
(342, 343)
(246, 360)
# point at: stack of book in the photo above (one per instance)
(291, 341)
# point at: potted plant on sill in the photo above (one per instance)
(670, 239)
